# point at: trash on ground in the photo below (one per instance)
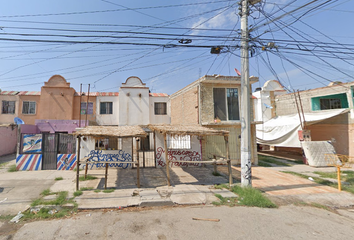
(17, 217)
(207, 219)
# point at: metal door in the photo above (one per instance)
(50, 151)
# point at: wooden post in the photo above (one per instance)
(228, 158)
(86, 168)
(78, 162)
(155, 150)
(138, 164)
(105, 177)
(167, 161)
(338, 178)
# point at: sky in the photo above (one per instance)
(167, 44)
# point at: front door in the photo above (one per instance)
(50, 151)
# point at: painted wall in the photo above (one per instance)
(134, 103)
(77, 105)
(8, 118)
(29, 162)
(156, 119)
(53, 126)
(26, 128)
(57, 99)
(8, 139)
(193, 154)
(108, 119)
(66, 161)
(29, 118)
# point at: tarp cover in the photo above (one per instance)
(282, 131)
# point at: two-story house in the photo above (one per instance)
(214, 102)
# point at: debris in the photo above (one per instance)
(311, 179)
(3, 200)
(53, 211)
(17, 217)
(207, 219)
(88, 215)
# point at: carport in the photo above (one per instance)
(192, 130)
(99, 132)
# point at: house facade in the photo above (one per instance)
(214, 102)
(327, 113)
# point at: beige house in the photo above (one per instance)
(213, 102)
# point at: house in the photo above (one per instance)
(326, 113)
(52, 114)
(213, 101)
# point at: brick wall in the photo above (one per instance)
(184, 107)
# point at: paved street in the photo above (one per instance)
(287, 222)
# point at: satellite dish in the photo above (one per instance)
(18, 121)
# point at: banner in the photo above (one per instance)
(32, 143)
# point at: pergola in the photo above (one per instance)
(193, 130)
(99, 132)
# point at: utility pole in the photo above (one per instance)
(246, 170)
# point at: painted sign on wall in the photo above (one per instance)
(66, 161)
(29, 162)
(32, 143)
(99, 159)
(181, 155)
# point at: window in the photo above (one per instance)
(106, 108)
(335, 101)
(107, 144)
(29, 107)
(8, 107)
(89, 109)
(179, 142)
(226, 107)
(160, 108)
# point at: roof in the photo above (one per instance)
(111, 131)
(179, 129)
(28, 93)
(9, 92)
(158, 94)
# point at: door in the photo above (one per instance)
(50, 151)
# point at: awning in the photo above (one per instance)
(282, 131)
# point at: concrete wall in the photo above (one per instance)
(9, 118)
(29, 118)
(77, 105)
(184, 107)
(192, 154)
(108, 119)
(53, 126)
(57, 99)
(8, 139)
(156, 119)
(134, 103)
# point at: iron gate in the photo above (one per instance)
(50, 151)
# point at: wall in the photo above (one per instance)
(29, 118)
(77, 105)
(8, 118)
(8, 139)
(184, 107)
(53, 126)
(193, 154)
(57, 99)
(108, 119)
(156, 119)
(134, 103)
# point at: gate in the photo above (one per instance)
(147, 152)
(50, 151)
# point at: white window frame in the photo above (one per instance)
(179, 142)
(106, 113)
(7, 112)
(226, 107)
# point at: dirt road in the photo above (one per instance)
(286, 222)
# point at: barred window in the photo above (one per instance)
(179, 142)
(29, 107)
(107, 144)
(106, 108)
(8, 107)
(160, 108)
(89, 109)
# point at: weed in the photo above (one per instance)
(273, 160)
(77, 193)
(58, 178)
(252, 197)
(46, 192)
(12, 168)
(88, 177)
(97, 190)
(264, 164)
(108, 190)
(86, 188)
